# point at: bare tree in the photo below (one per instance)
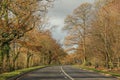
(77, 25)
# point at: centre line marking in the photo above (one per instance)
(66, 74)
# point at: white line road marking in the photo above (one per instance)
(66, 74)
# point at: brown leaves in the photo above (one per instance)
(17, 18)
(96, 35)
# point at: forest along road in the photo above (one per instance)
(63, 73)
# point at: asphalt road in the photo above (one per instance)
(63, 73)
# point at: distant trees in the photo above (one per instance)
(101, 37)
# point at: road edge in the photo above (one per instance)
(105, 74)
(24, 73)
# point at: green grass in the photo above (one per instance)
(99, 71)
(6, 75)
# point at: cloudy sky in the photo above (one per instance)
(58, 13)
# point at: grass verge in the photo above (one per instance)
(7, 75)
(99, 71)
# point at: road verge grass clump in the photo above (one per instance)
(7, 75)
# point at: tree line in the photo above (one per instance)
(23, 41)
(94, 34)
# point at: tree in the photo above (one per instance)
(77, 25)
(100, 41)
(17, 18)
(103, 37)
(15, 21)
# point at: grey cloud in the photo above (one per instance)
(64, 7)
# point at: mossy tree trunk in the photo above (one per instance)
(5, 57)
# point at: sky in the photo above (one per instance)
(58, 13)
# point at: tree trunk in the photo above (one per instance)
(15, 59)
(5, 57)
(118, 64)
(28, 58)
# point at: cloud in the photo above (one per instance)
(58, 13)
(57, 33)
(64, 7)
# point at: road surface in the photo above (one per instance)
(63, 73)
